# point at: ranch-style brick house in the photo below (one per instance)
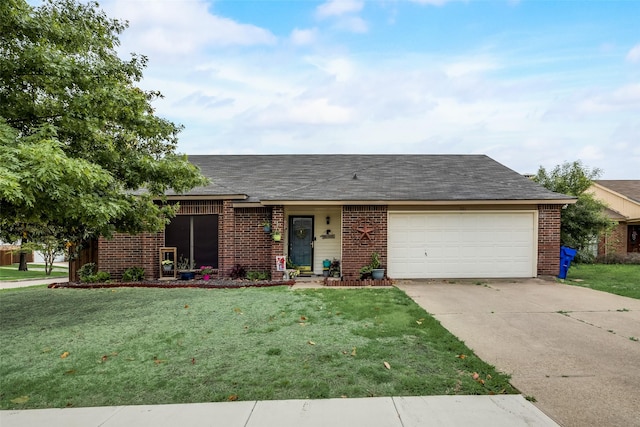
(623, 200)
(428, 216)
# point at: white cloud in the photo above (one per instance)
(353, 24)
(634, 54)
(340, 68)
(338, 8)
(475, 66)
(182, 27)
(590, 153)
(303, 37)
(431, 2)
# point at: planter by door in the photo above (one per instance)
(377, 273)
(187, 275)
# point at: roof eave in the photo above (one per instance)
(416, 202)
(178, 197)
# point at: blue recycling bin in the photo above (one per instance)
(566, 256)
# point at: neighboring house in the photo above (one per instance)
(428, 216)
(623, 200)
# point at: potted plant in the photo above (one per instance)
(206, 271)
(167, 265)
(266, 226)
(334, 268)
(326, 265)
(186, 269)
(377, 272)
(276, 236)
(372, 270)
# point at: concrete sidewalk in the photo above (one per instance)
(35, 282)
(573, 349)
(440, 411)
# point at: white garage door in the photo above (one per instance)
(462, 244)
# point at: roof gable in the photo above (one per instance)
(626, 187)
(362, 178)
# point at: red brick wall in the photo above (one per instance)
(277, 248)
(614, 242)
(143, 250)
(123, 251)
(226, 246)
(252, 245)
(549, 240)
(364, 231)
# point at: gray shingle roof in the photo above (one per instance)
(626, 187)
(366, 178)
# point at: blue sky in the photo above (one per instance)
(529, 83)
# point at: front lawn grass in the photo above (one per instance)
(133, 346)
(34, 271)
(619, 279)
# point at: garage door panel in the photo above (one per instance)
(461, 245)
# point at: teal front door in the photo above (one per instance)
(301, 242)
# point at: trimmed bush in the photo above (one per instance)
(133, 274)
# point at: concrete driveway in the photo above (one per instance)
(574, 350)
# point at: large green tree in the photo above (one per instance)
(583, 221)
(82, 152)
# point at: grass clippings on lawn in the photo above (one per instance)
(132, 346)
(619, 279)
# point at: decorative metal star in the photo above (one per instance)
(365, 231)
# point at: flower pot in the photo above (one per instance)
(206, 277)
(325, 273)
(267, 229)
(276, 237)
(167, 267)
(187, 275)
(377, 273)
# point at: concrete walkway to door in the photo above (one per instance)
(575, 350)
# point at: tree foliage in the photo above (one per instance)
(583, 221)
(83, 153)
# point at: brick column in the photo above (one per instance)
(226, 239)
(549, 240)
(364, 231)
(277, 248)
(151, 244)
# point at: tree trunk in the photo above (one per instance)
(23, 261)
(23, 257)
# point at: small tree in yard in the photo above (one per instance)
(583, 221)
(47, 244)
(82, 153)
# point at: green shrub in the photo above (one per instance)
(99, 277)
(86, 270)
(102, 276)
(133, 274)
(258, 275)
